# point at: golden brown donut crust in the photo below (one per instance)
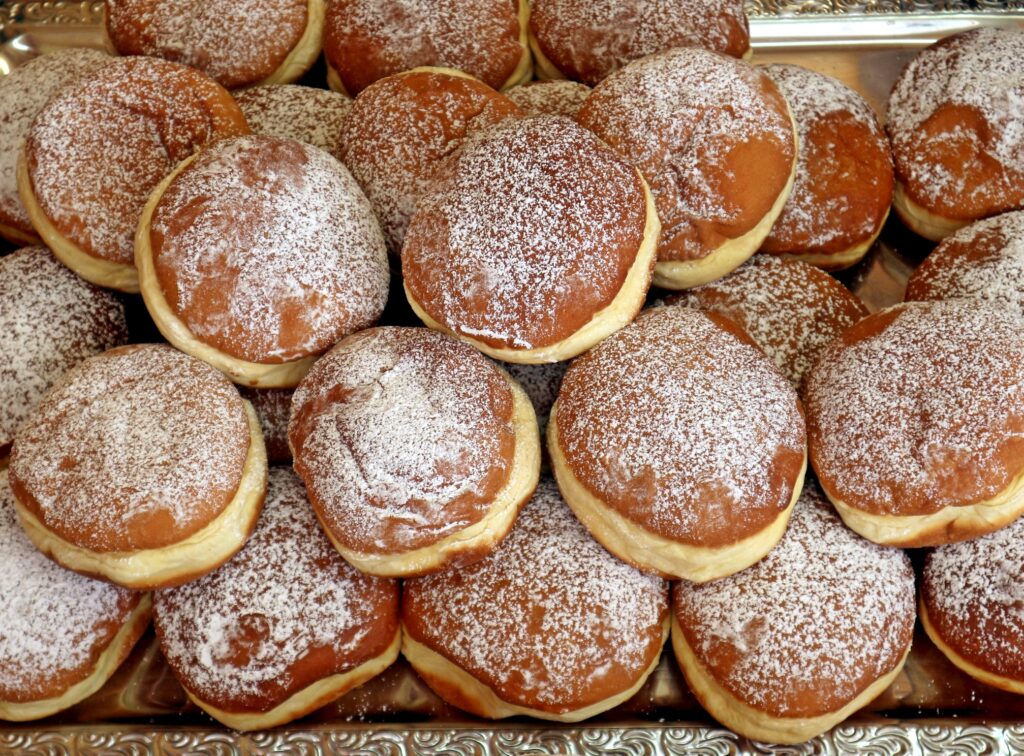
(588, 40)
(285, 612)
(792, 310)
(156, 112)
(984, 261)
(953, 127)
(484, 38)
(535, 267)
(400, 131)
(807, 629)
(403, 436)
(844, 179)
(137, 448)
(573, 625)
(680, 424)
(700, 126)
(920, 408)
(235, 42)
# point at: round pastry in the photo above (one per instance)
(714, 138)
(679, 445)
(984, 261)
(588, 40)
(417, 451)
(313, 116)
(792, 310)
(62, 635)
(915, 420)
(798, 642)
(257, 255)
(272, 407)
(954, 122)
(574, 632)
(970, 605)
(24, 91)
(538, 243)
(283, 628)
(562, 98)
(236, 42)
(844, 179)
(100, 146)
(50, 320)
(486, 39)
(402, 128)
(142, 466)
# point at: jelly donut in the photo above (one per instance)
(313, 116)
(142, 466)
(549, 625)
(970, 605)
(714, 138)
(795, 644)
(983, 261)
(50, 320)
(272, 407)
(486, 38)
(844, 178)
(237, 43)
(915, 420)
(259, 254)
(679, 445)
(564, 98)
(538, 243)
(588, 40)
(417, 452)
(62, 635)
(23, 93)
(954, 122)
(283, 628)
(98, 148)
(402, 128)
(792, 310)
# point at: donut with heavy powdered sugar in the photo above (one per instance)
(313, 116)
(564, 98)
(238, 43)
(588, 40)
(486, 38)
(62, 635)
(98, 148)
(283, 628)
(538, 243)
(550, 624)
(955, 124)
(679, 445)
(402, 129)
(142, 466)
(844, 179)
(795, 644)
(258, 255)
(416, 450)
(50, 320)
(915, 418)
(714, 138)
(983, 261)
(23, 93)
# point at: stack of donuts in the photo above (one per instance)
(517, 379)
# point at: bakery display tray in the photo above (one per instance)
(931, 707)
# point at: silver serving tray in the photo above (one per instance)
(931, 708)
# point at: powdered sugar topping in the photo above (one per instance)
(550, 618)
(313, 116)
(810, 626)
(562, 98)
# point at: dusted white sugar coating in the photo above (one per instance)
(51, 320)
(314, 116)
(51, 618)
(823, 615)
(562, 98)
(548, 615)
(285, 595)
